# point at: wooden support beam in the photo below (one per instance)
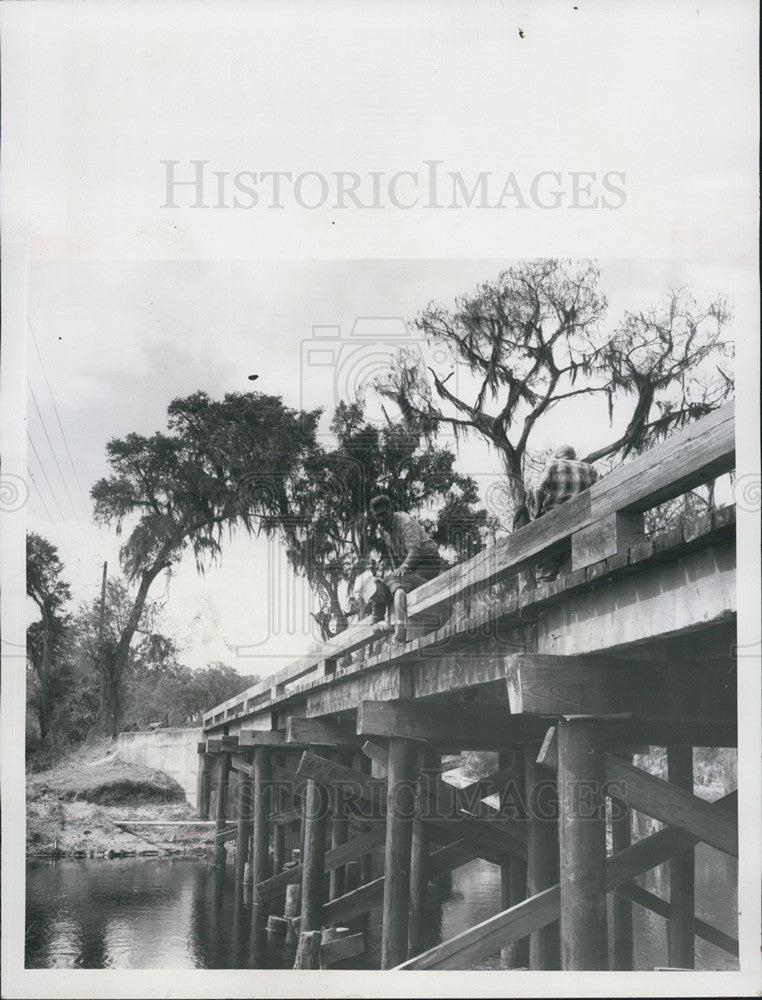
(313, 889)
(351, 850)
(476, 943)
(681, 945)
(634, 893)
(339, 835)
(400, 810)
(419, 863)
(343, 948)
(223, 776)
(318, 732)
(261, 797)
(308, 950)
(243, 830)
(467, 726)
(260, 738)
(582, 844)
(358, 787)
(542, 854)
(663, 801)
(545, 684)
(621, 838)
(376, 753)
(513, 875)
(610, 534)
(203, 783)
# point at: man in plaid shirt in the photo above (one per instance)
(562, 478)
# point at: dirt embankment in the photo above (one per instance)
(84, 806)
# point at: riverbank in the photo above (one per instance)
(84, 805)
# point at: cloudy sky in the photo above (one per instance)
(110, 345)
(116, 305)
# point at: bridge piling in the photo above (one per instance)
(582, 840)
(244, 824)
(223, 779)
(400, 806)
(419, 859)
(313, 859)
(203, 781)
(542, 853)
(621, 839)
(513, 876)
(680, 934)
(260, 833)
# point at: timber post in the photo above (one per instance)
(513, 876)
(400, 806)
(203, 782)
(621, 839)
(243, 833)
(680, 935)
(582, 840)
(541, 797)
(260, 834)
(339, 833)
(223, 777)
(313, 859)
(419, 860)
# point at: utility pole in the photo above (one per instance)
(101, 659)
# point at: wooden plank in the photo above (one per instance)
(261, 738)
(547, 684)
(701, 451)
(663, 801)
(707, 932)
(318, 732)
(353, 904)
(605, 537)
(341, 949)
(352, 849)
(476, 943)
(376, 752)
(355, 784)
(464, 725)
(345, 693)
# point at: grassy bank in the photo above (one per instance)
(76, 806)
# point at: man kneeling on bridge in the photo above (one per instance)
(414, 558)
(562, 478)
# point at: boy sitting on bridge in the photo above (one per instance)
(414, 558)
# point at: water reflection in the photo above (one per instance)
(178, 913)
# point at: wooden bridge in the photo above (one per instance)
(340, 752)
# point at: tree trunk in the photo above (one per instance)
(113, 667)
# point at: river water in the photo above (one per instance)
(174, 913)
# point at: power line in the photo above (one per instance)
(55, 410)
(42, 468)
(42, 499)
(52, 452)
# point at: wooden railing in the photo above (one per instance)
(595, 525)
